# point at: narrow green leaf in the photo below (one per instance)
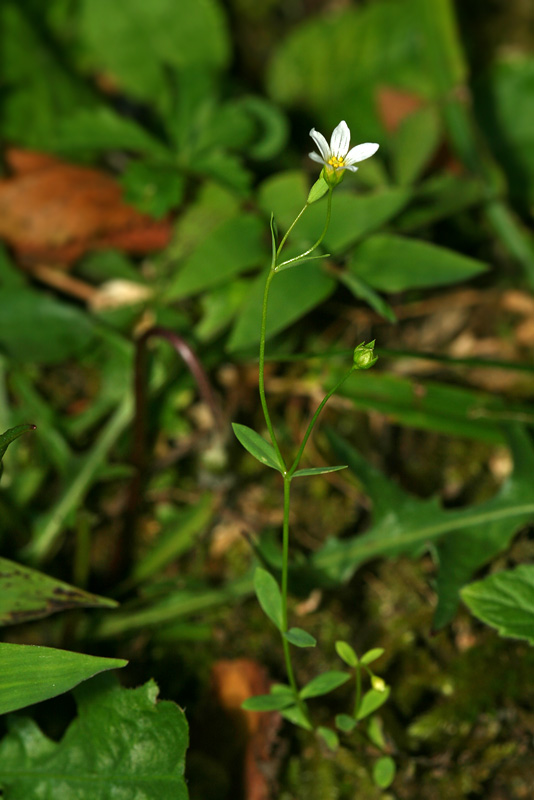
(384, 770)
(295, 715)
(301, 473)
(372, 655)
(345, 723)
(257, 446)
(267, 702)
(10, 436)
(325, 683)
(371, 701)
(300, 638)
(505, 601)
(269, 596)
(362, 291)
(26, 594)
(346, 652)
(329, 736)
(30, 674)
(318, 190)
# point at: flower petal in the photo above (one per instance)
(361, 152)
(322, 144)
(317, 157)
(340, 141)
(352, 169)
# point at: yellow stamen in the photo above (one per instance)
(337, 162)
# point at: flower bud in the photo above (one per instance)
(364, 356)
(378, 683)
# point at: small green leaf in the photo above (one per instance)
(318, 190)
(329, 736)
(269, 596)
(372, 655)
(30, 674)
(345, 723)
(384, 770)
(282, 689)
(325, 683)
(362, 291)
(10, 436)
(295, 715)
(371, 701)
(300, 638)
(301, 473)
(346, 652)
(267, 702)
(505, 601)
(257, 446)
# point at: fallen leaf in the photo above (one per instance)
(233, 682)
(394, 105)
(53, 212)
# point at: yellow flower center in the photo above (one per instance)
(338, 162)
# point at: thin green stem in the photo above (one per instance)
(358, 699)
(261, 378)
(319, 240)
(314, 419)
(286, 234)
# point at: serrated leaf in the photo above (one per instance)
(269, 596)
(329, 736)
(384, 770)
(300, 638)
(26, 594)
(122, 744)
(30, 674)
(268, 702)
(371, 702)
(301, 473)
(372, 655)
(345, 723)
(346, 652)
(257, 446)
(325, 683)
(505, 601)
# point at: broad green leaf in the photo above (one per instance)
(371, 702)
(325, 683)
(415, 142)
(362, 291)
(301, 473)
(39, 329)
(404, 524)
(329, 736)
(234, 246)
(152, 187)
(295, 715)
(384, 770)
(346, 652)
(220, 307)
(394, 263)
(10, 436)
(345, 723)
(269, 596)
(97, 129)
(30, 674)
(300, 638)
(257, 446)
(167, 34)
(26, 594)
(123, 744)
(372, 655)
(505, 601)
(293, 293)
(268, 702)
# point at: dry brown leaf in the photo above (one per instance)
(233, 682)
(53, 212)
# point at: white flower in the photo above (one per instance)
(337, 157)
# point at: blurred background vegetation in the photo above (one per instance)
(144, 147)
